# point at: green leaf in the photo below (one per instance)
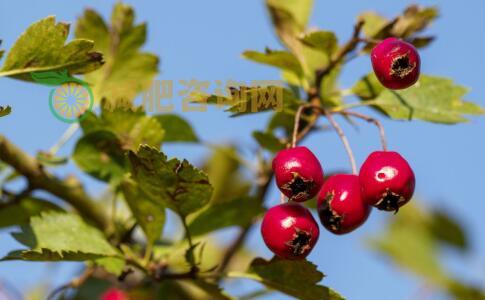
(368, 87)
(223, 168)
(176, 129)
(324, 41)
(268, 141)
(432, 99)
(100, 154)
(171, 183)
(2, 52)
(150, 216)
(113, 265)
(290, 18)
(297, 278)
(408, 241)
(373, 23)
(128, 70)
(54, 236)
(299, 11)
(128, 123)
(282, 120)
(413, 21)
(448, 231)
(42, 47)
(236, 212)
(4, 111)
(330, 93)
(20, 211)
(411, 249)
(283, 60)
(213, 290)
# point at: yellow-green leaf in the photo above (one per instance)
(54, 236)
(42, 47)
(128, 70)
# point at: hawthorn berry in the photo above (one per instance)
(387, 180)
(114, 294)
(396, 63)
(289, 230)
(298, 173)
(340, 205)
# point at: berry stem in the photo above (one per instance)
(344, 139)
(369, 119)
(294, 138)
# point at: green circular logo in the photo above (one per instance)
(70, 98)
(69, 101)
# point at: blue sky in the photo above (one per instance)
(203, 40)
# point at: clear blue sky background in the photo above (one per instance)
(204, 39)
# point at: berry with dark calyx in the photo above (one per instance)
(340, 205)
(387, 180)
(396, 63)
(298, 173)
(289, 230)
(114, 294)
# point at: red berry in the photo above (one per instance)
(387, 180)
(298, 173)
(289, 230)
(340, 205)
(114, 294)
(396, 63)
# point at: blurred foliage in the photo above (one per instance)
(120, 146)
(414, 240)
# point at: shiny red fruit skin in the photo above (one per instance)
(114, 294)
(396, 63)
(290, 231)
(340, 205)
(387, 180)
(298, 173)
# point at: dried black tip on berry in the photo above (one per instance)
(330, 219)
(401, 66)
(299, 186)
(390, 202)
(300, 243)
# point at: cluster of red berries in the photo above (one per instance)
(344, 201)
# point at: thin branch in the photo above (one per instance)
(65, 137)
(73, 284)
(369, 119)
(188, 236)
(344, 139)
(347, 48)
(39, 178)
